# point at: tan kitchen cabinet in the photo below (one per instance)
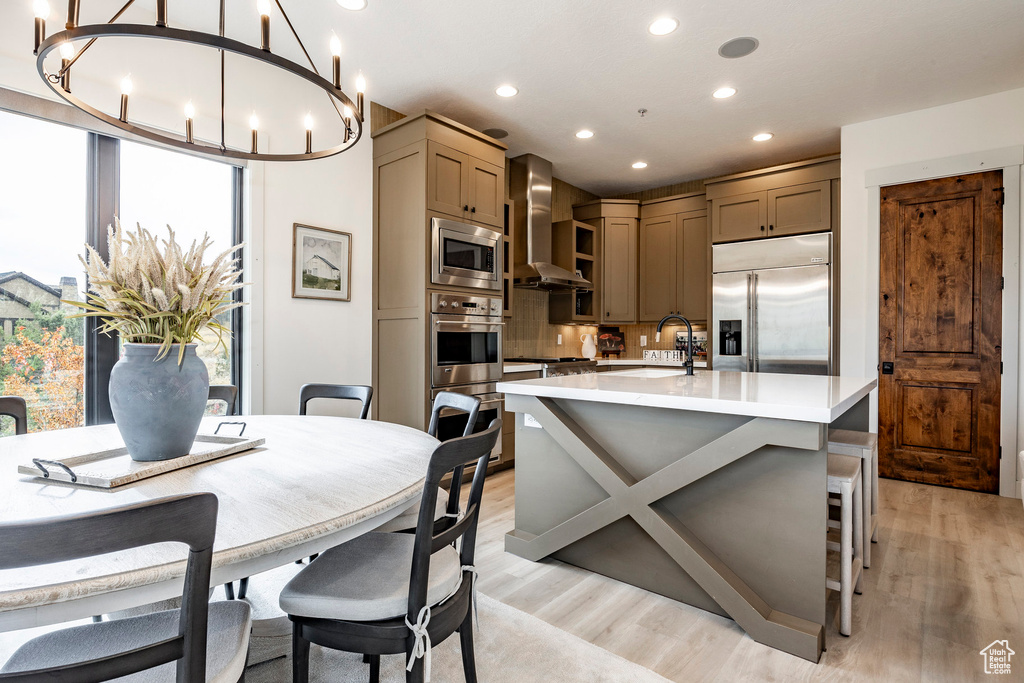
(617, 225)
(463, 186)
(674, 253)
(783, 200)
(740, 217)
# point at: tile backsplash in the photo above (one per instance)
(528, 333)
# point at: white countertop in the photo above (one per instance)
(601, 362)
(807, 398)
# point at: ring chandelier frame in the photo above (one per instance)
(59, 82)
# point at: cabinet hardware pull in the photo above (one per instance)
(473, 210)
(762, 228)
(771, 227)
(466, 208)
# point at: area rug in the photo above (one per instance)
(511, 647)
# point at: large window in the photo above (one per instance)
(59, 188)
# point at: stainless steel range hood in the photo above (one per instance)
(530, 188)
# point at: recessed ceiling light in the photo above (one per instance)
(761, 137)
(722, 93)
(640, 164)
(663, 26)
(507, 90)
(354, 5)
(584, 134)
(738, 47)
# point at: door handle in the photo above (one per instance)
(753, 328)
(887, 368)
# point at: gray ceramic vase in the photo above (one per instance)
(158, 404)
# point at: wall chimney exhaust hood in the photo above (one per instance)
(530, 188)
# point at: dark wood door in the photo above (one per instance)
(940, 317)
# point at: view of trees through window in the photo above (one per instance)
(43, 205)
(42, 224)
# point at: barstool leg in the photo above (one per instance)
(874, 494)
(846, 559)
(866, 489)
(858, 535)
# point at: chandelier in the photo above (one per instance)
(351, 114)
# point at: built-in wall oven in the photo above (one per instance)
(465, 255)
(465, 339)
(452, 423)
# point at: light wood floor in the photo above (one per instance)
(946, 579)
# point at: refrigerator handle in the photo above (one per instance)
(750, 322)
(753, 328)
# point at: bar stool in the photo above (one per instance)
(863, 445)
(844, 479)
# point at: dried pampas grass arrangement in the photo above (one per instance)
(153, 296)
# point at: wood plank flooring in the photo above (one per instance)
(946, 579)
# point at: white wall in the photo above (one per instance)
(965, 130)
(291, 341)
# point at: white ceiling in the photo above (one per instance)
(821, 64)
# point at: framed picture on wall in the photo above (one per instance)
(321, 263)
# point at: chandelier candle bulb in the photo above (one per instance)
(254, 123)
(348, 122)
(336, 60)
(42, 11)
(190, 112)
(263, 7)
(67, 53)
(309, 133)
(126, 90)
(360, 89)
(161, 12)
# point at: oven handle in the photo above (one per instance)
(467, 322)
(484, 405)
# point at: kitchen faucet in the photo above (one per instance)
(689, 339)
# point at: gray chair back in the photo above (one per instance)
(351, 392)
(190, 519)
(14, 406)
(431, 536)
(227, 393)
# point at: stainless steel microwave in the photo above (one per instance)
(465, 255)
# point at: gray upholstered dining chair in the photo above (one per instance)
(228, 394)
(15, 407)
(447, 501)
(352, 392)
(383, 593)
(199, 642)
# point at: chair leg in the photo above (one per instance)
(468, 656)
(229, 590)
(374, 668)
(874, 494)
(858, 536)
(416, 675)
(300, 656)
(865, 485)
(243, 587)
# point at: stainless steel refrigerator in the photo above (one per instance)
(772, 305)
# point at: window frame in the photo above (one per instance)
(103, 184)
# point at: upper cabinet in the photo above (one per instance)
(463, 186)
(784, 200)
(616, 226)
(674, 253)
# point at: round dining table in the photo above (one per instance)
(316, 482)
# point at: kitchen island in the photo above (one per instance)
(709, 489)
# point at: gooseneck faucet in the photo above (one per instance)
(689, 339)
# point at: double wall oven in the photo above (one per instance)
(466, 357)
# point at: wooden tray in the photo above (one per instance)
(113, 467)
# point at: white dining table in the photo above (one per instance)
(315, 483)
